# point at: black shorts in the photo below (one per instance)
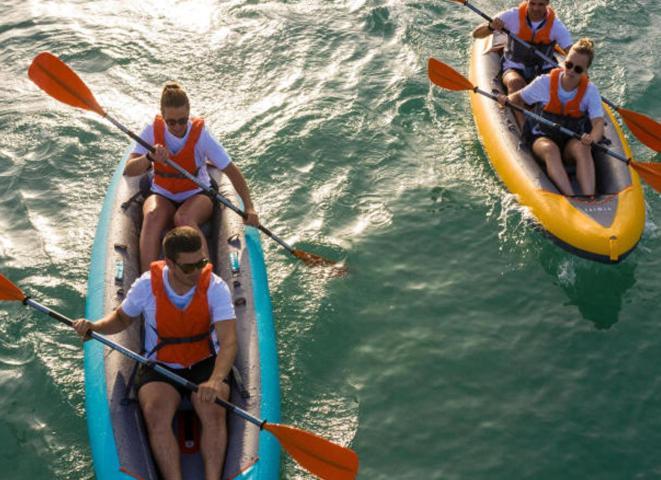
(556, 136)
(197, 373)
(176, 204)
(559, 139)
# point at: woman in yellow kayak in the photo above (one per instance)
(569, 98)
(175, 199)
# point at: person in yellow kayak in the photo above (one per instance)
(535, 22)
(175, 199)
(190, 328)
(567, 97)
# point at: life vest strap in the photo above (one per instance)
(165, 341)
(160, 173)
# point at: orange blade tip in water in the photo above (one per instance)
(311, 259)
(325, 459)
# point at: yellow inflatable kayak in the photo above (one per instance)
(605, 228)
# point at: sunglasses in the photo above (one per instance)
(577, 68)
(191, 267)
(176, 121)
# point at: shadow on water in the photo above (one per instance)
(597, 290)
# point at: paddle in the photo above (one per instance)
(446, 77)
(59, 81)
(321, 457)
(644, 128)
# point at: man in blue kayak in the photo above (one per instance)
(535, 22)
(190, 328)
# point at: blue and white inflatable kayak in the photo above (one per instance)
(118, 439)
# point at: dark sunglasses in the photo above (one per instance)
(191, 267)
(176, 121)
(577, 68)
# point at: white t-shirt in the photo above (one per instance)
(559, 34)
(206, 148)
(140, 300)
(539, 91)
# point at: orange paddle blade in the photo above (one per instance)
(9, 291)
(650, 172)
(647, 130)
(311, 259)
(319, 456)
(446, 77)
(60, 82)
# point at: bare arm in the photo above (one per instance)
(239, 182)
(516, 99)
(136, 165)
(597, 132)
(114, 322)
(139, 164)
(226, 332)
(488, 28)
(513, 98)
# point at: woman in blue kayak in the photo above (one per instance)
(566, 96)
(175, 200)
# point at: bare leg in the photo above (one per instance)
(582, 155)
(547, 150)
(159, 402)
(157, 215)
(214, 434)
(193, 213)
(514, 82)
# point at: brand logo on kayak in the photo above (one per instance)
(597, 209)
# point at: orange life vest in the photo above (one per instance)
(542, 36)
(184, 336)
(573, 107)
(167, 177)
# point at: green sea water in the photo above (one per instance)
(463, 344)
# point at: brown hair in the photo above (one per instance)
(181, 240)
(173, 95)
(584, 46)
